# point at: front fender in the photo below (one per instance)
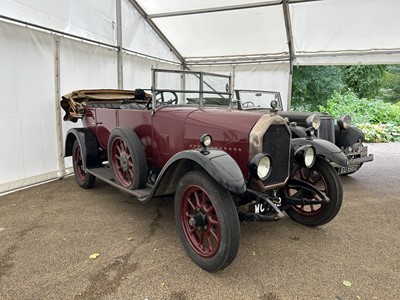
(217, 163)
(298, 131)
(350, 136)
(323, 148)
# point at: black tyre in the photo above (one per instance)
(323, 176)
(84, 179)
(207, 221)
(127, 159)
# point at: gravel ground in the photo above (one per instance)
(48, 232)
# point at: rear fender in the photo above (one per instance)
(217, 163)
(90, 148)
(323, 148)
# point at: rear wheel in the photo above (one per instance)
(324, 177)
(207, 221)
(84, 179)
(127, 159)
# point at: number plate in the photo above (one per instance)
(348, 169)
(258, 208)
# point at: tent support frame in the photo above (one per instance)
(289, 37)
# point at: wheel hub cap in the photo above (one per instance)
(124, 162)
(198, 220)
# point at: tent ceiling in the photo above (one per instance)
(235, 31)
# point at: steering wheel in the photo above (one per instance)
(160, 100)
(248, 104)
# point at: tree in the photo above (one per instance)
(390, 90)
(365, 81)
(313, 86)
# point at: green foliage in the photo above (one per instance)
(375, 133)
(364, 81)
(374, 111)
(390, 90)
(370, 94)
(379, 120)
(313, 86)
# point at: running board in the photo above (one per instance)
(106, 175)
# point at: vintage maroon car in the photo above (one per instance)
(222, 165)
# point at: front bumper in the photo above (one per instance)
(356, 156)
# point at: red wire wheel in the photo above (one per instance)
(207, 221)
(200, 221)
(127, 159)
(84, 179)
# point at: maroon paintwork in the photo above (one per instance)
(175, 128)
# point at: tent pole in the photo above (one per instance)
(289, 37)
(57, 85)
(120, 61)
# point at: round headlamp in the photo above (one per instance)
(205, 140)
(305, 156)
(344, 121)
(314, 121)
(260, 166)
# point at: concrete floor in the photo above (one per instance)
(48, 232)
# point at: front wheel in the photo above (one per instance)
(325, 178)
(207, 221)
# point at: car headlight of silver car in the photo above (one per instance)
(344, 121)
(260, 166)
(305, 156)
(314, 121)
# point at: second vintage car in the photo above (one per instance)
(221, 165)
(340, 132)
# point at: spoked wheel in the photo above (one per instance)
(207, 221)
(127, 159)
(324, 177)
(84, 179)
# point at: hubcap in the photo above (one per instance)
(198, 220)
(124, 162)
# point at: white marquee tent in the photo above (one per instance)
(51, 47)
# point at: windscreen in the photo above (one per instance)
(258, 99)
(191, 88)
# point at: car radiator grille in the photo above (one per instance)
(276, 143)
(326, 130)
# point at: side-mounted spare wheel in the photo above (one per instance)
(207, 221)
(84, 179)
(127, 159)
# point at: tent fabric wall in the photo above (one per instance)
(92, 19)
(138, 36)
(346, 32)
(38, 66)
(211, 30)
(27, 118)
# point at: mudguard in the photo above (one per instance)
(323, 148)
(89, 146)
(217, 163)
(350, 136)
